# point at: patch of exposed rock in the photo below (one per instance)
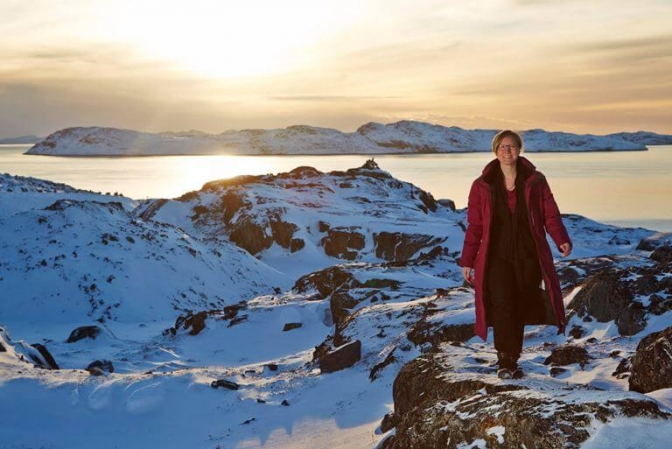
(399, 246)
(194, 323)
(613, 295)
(651, 366)
(436, 406)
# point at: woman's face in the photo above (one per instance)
(508, 151)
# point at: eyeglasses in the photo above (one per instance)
(507, 148)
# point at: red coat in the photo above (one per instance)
(544, 216)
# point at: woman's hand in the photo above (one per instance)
(566, 248)
(466, 274)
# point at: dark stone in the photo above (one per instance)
(283, 232)
(602, 297)
(632, 319)
(195, 322)
(296, 245)
(250, 236)
(342, 357)
(83, 332)
(651, 364)
(272, 366)
(623, 367)
(577, 332)
(339, 303)
(389, 422)
(99, 367)
(450, 204)
(46, 355)
(398, 246)
(224, 383)
(373, 375)
(341, 243)
(567, 355)
(285, 403)
(323, 226)
(326, 281)
(557, 371)
(659, 305)
(2, 348)
(662, 254)
(290, 326)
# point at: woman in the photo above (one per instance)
(510, 209)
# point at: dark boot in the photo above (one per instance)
(508, 366)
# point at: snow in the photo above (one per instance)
(371, 138)
(72, 258)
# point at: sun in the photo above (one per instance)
(222, 39)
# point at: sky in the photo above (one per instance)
(213, 65)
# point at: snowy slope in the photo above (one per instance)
(168, 267)
(371, 138)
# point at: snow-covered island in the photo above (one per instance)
(309, 310)
(402, 137)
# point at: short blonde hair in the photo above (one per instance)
(503, 134)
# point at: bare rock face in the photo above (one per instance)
(325, 281)
(438, 407)
(632, 320)
(397, 246)
(250, 236)
(602, 297)
(426, 331)
(48, 359)
(83, 332)
(196, 322)
(343, 243)
(651, 366)
(342, 357)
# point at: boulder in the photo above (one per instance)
(250, 236)
(602, 297)
(224, 383)
(290, 326)
(632, 319)
(568, 355)
(651, 365)
(100, 367)
(342, 357)
(662, 254)
(83, 332)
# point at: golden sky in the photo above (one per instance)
(595, 66)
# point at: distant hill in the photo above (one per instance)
(404, 137)
(21, 140)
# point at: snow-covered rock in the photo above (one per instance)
(372, 138)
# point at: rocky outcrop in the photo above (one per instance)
(47, 360)
(602, 297)
(341, 358)
(612, 295)
(343, 243)
(83, 332)
(651, 366)
(436, 406)
(100, 367)
(326, 281)
(196, 322)
(398, 246)
(568, 355)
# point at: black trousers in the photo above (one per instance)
(507, 303)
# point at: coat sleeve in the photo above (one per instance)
(474, 233)
(552, 219)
